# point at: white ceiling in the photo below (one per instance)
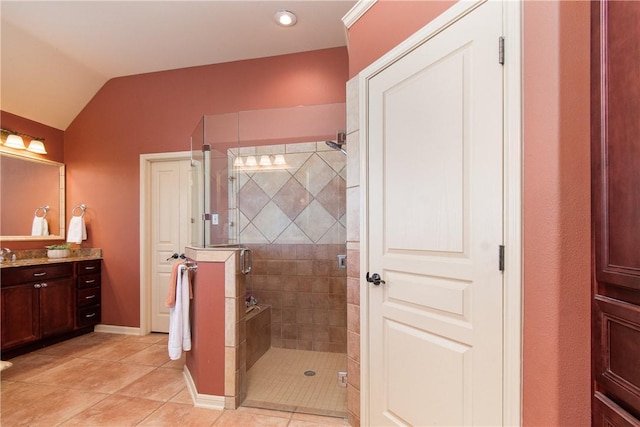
(57, 54)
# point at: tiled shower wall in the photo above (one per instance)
(307, 294)
(302, 202)
(293, 218)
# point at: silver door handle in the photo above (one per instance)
(375, 279)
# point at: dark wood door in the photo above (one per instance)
(615, 135)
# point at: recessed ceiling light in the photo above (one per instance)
(285, 18)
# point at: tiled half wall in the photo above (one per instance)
(306, 291)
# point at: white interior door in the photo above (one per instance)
(435, 221)
(170, 230)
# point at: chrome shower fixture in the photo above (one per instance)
(335, 146)
(342, 139)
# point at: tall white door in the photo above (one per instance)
(170, 228)
(435, 221)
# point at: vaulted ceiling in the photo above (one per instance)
(57, 54)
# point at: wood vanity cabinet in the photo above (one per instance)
(44, 304)
(37, 302)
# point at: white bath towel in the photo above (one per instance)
(179, 327)
(77, 230)
(40, 227)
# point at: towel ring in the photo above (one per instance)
(82, 208)
(44, 210)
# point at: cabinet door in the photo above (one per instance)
(57, 307)
(19, 315)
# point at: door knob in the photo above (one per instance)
(375, 279)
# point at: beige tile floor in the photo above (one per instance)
(277, 381)
(117, 380)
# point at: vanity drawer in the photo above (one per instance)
(88, 296)
(88, 316)
(88, 267)
(88, 281)
(35, 273)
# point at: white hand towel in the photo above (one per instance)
(40, 227)
(77, 230)
(179, 327)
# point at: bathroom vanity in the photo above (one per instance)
(45, 301)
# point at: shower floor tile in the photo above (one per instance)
(277, 381)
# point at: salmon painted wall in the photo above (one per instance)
(157, 112)
(206, 358)
(557, 216)
(556, 213)
(385, 25)
(54, 143)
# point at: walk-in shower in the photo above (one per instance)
(279, 189)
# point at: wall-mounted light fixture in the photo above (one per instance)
(15, 140)
(285, 18)
(36, 146)
(251, 161)
(266, 162)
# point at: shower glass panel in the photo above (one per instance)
(212, 139)
(196, 185)
(265, 147)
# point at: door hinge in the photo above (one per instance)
(206, 147)
(501, 257)
(501, 50)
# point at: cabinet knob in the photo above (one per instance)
(44, 285)
(37, 285)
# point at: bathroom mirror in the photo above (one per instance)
(27, 186)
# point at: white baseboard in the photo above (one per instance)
(113, 329)
(202, 400)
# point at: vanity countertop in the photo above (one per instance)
(38, 257)
(45, 261)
